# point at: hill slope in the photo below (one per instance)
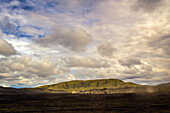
(101, 86)
(80, 85)
(9, 90)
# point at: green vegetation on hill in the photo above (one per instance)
(80, 85)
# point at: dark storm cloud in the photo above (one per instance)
(161, 42)
(71, 38)
(105, 49)
(147, 5)
(130, 62)
(132, 77)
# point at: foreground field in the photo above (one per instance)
(68, 103)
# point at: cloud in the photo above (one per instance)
(161, 42)
(4, 69)
(27, 70)
(131, 71)
(71, 38)
(130, 62)
(147, 5)
(155, 34)
(105, 49)
(147, 68)
(31, 30)
(17, 67)
(6, 25)
(85, 62)
(151, 79)
(124, 39)
(6, 48)
(43, 68)
(27, 64)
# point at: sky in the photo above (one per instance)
(50, 41)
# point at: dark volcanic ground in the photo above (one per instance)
(88, 103)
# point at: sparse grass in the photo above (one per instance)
(80, 85)
(68, 103)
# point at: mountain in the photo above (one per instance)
(9, 90)
(100, 86)
(142, 89)
(81, 85)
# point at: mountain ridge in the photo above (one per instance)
(83, 85)
(97, 86)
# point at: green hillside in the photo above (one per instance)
(80, 85)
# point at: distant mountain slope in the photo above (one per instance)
(145, 89)
(101, 86)
(80, 85)
(9, 90)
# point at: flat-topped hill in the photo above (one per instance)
(82, 85)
